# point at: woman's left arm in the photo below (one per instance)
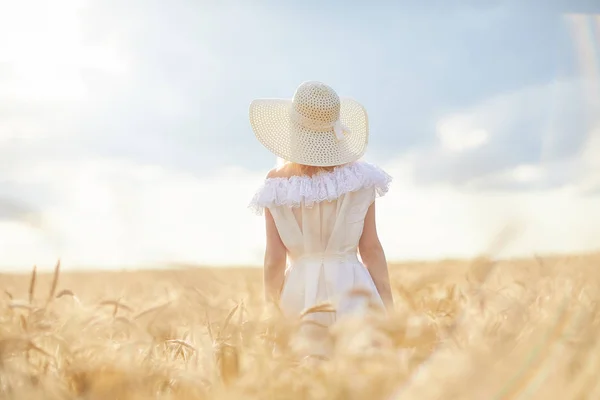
(275, 260)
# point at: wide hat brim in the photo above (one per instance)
(274, 127)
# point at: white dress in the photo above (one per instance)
(320, 220)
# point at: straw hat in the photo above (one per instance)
(315, 127)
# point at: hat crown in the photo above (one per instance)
(317, 102)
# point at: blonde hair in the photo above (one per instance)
(301, 169)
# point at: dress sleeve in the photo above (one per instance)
(327, 186)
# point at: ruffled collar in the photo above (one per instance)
(324, 186)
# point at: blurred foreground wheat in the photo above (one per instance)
(479, 330)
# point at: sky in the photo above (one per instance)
(125, 140)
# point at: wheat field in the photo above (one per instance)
(514, 329)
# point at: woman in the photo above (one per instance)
(319, 205)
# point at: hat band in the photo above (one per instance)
(338, 128)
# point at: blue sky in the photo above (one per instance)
(105, 103)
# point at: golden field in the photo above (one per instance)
(517, 329)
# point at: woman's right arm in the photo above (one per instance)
(373, 256)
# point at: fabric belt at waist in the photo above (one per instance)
(321, 273)
(326, 257)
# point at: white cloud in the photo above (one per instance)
(527, 173)
(44, 45)
(441, 220)
(543, 135)
(95, 96)
(455, 134)
(112, 214)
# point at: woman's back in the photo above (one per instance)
(322, 215)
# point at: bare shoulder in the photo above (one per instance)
(274, 173)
